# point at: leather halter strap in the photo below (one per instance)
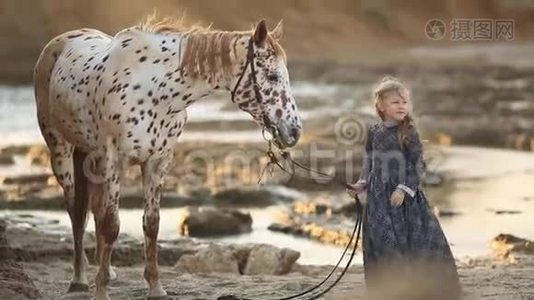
(250, 61)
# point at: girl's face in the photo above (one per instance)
(395, 105)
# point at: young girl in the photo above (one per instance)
(406, 254)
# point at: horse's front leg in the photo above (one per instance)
(154, 171)
(108, 219)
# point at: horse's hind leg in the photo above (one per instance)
(154, 171)
(96, 198)
(66, 164)
(78, 216)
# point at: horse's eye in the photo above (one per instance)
(272, 77)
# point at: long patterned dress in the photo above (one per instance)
(404, 243)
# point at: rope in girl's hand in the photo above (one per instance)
(355, 236)
(286, 155)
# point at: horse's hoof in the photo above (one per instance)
(77, 287)
(112, 274)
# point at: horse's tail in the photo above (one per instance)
(42, 74)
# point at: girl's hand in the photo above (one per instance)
(397, 198)
(355, 188)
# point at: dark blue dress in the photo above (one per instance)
(405, 242)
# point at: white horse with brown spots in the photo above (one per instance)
(125, 97)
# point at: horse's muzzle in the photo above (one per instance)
(288, 136)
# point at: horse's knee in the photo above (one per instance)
(96, 199)
(151, 224)
(110, 225)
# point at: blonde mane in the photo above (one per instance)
(156, 24)
(208, 51)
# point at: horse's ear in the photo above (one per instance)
(278, 31)
(260, 34)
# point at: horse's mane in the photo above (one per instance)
(207, 51)
(156, 24)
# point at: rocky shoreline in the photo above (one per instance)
(35, 264)
(41, 249)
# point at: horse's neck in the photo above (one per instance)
(194, 88)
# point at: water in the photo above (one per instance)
(486, 180)
(18, 117)
(18, 121)
(131, 223)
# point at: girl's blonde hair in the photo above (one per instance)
(392, 84)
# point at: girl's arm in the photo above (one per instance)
(361, 185)
(366, 160)
(414, 162)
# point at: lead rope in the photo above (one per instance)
(356, 232)
(273, 160)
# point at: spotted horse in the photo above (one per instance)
(103, 99)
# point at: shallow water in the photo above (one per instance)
(131, 223)
(485, 180)
(488, 180)
(18, 121)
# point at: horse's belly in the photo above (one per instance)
(148, 138)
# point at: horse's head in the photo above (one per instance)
(262, 87)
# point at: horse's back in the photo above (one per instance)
(90, 85)
(58, 63)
